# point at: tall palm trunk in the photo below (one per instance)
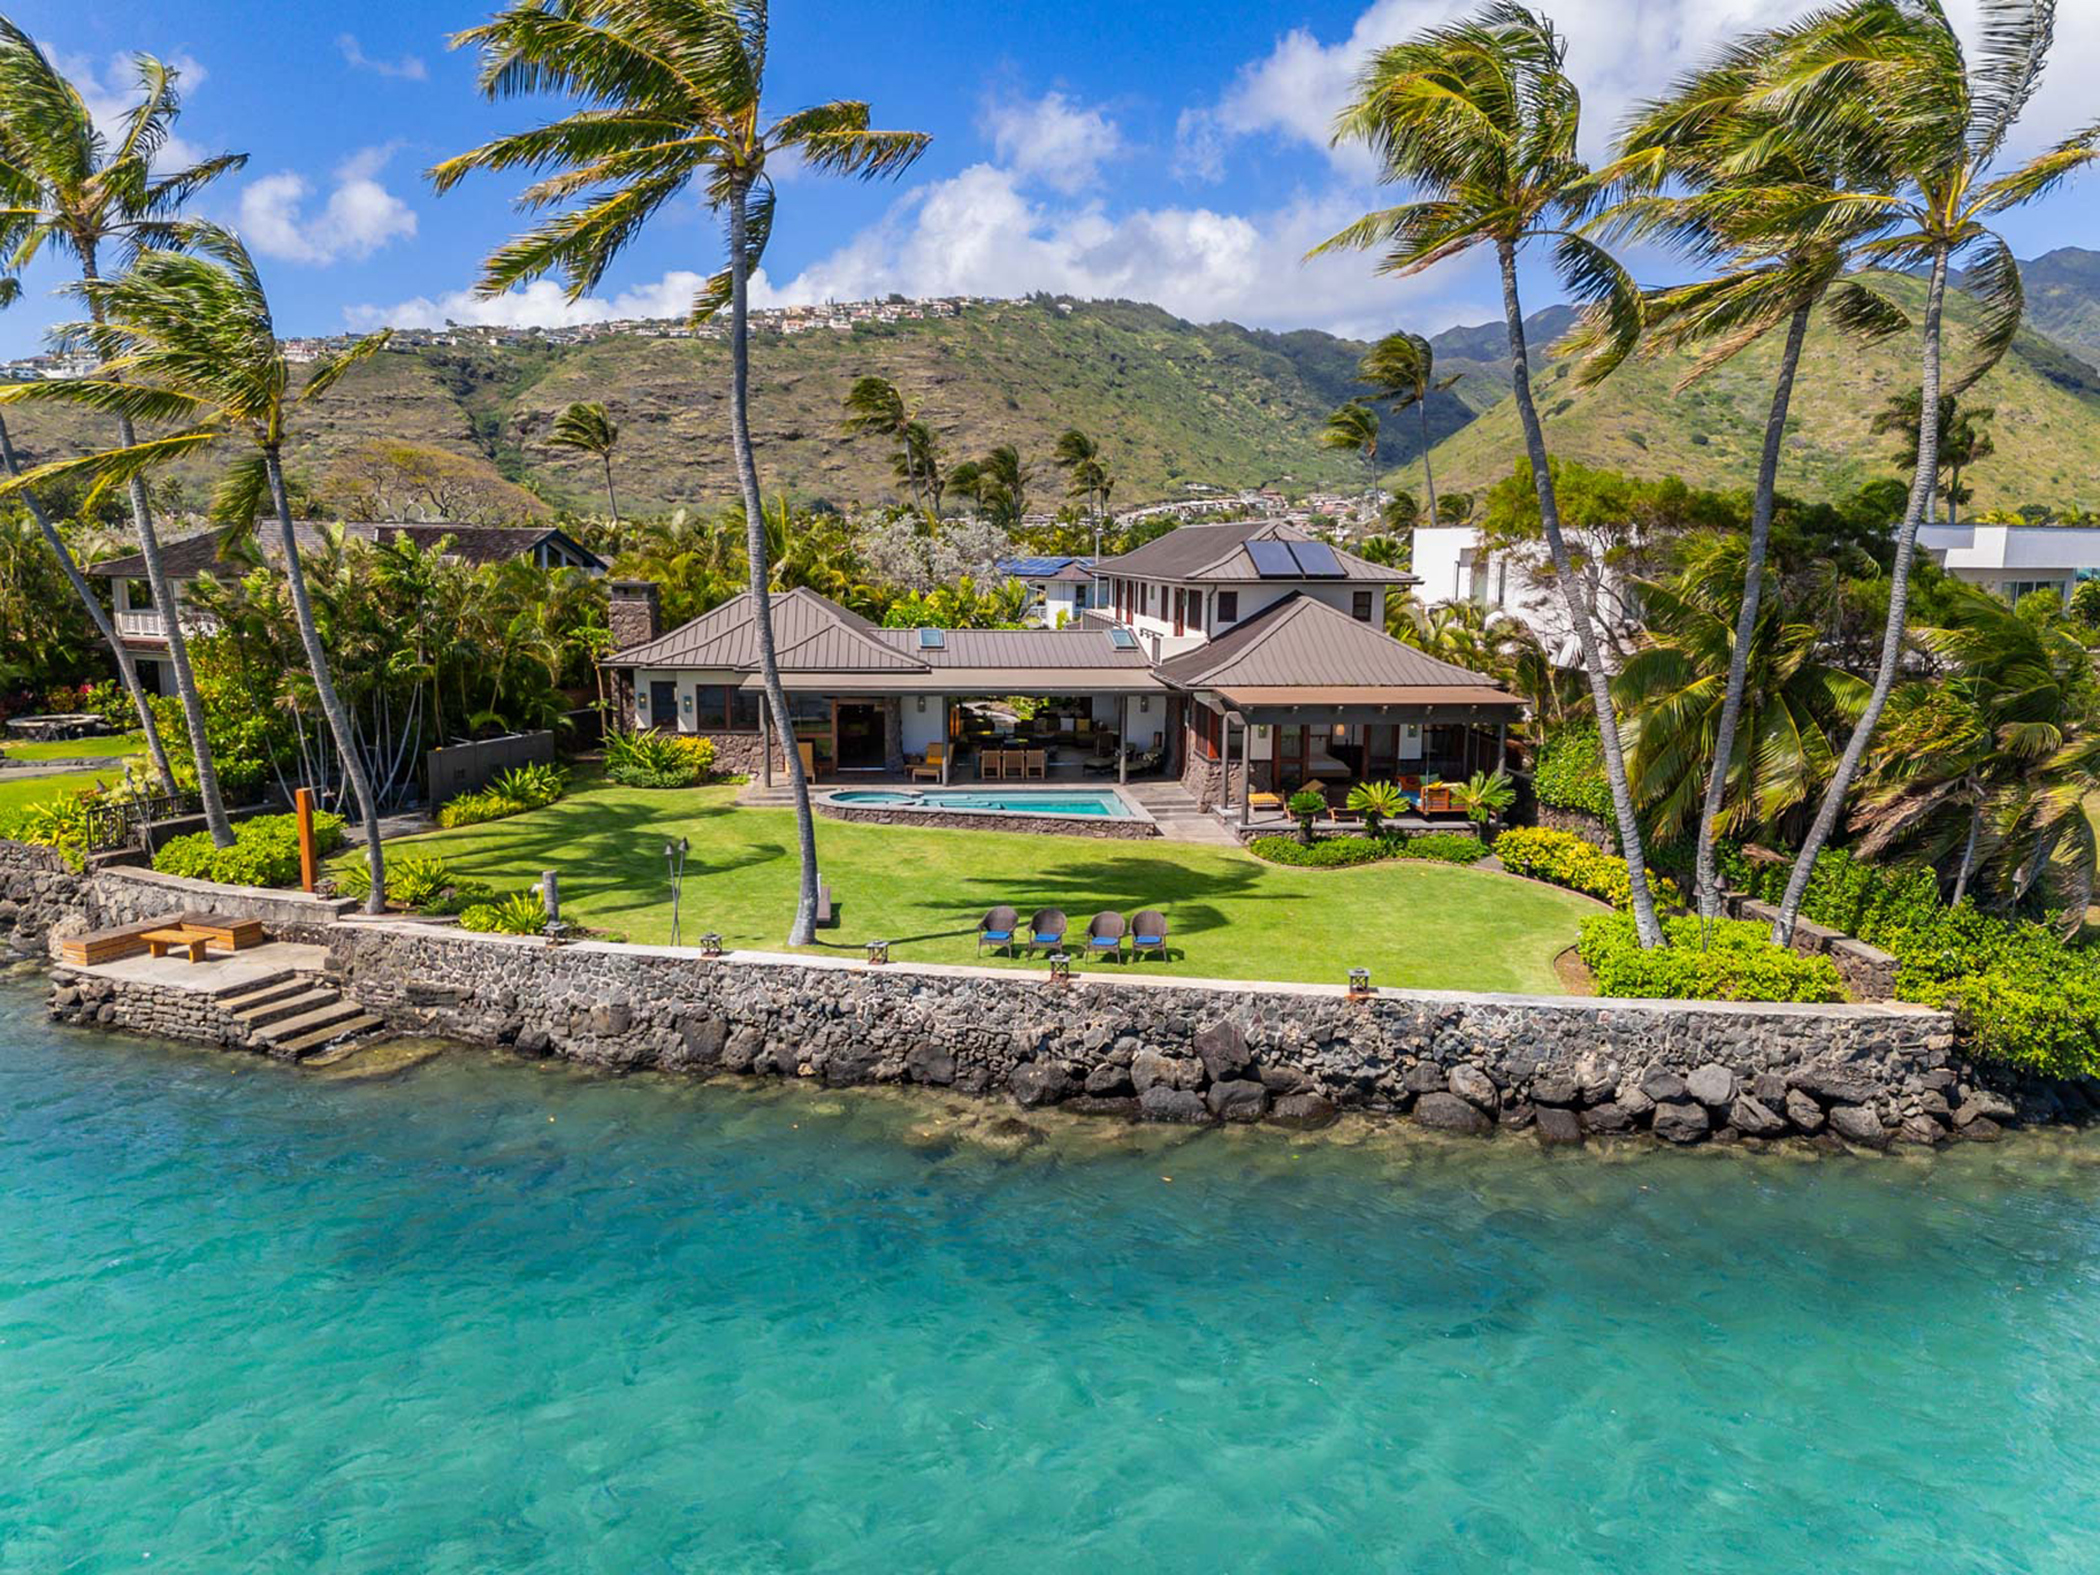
(1428, 476)
(612, 498)
(804, 931)
(1921, 491)
(1708, 877)
(127, 669)
(1968, 853)
(208, 795)
(1572, 591)
(324, 686)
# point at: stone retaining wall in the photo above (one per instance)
(140, 1008)
(1192, 1051)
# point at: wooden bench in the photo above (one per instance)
(232, 934)
(192, 943)
(101, 946)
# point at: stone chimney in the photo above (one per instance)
(636, 615)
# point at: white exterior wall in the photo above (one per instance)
(2010, 560)
(1453, 568)
(922, 727)
(1156, 628)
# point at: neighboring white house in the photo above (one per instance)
(2015, 560)
(1453, 566)
(1062, 588)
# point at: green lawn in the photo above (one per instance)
(114, 747)
(17, 789)
(1427, 926)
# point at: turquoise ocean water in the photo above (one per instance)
(489, 1316)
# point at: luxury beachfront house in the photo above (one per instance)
(1247, 657)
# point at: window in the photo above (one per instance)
(1209, 729)
(1361, 606)
(1181, 611)
(1228, 607)
(720, 708)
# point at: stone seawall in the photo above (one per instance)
(1194, 1051)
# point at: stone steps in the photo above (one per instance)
(304, 1045)
(294, 1016)
(263, 992)
(290, 1004)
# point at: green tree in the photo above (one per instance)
(1481, 119)
(1354, 429)
(1963, 441)
(672, 99)
(875, 407)
(186, 341)
(586, 427)
(1401, 371)
(1891, 79)
(68, 186)
(1759, 205)
(997, 484)
(1087, 477)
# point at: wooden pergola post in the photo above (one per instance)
(1122, 738)
(947, 736)
(765, 742)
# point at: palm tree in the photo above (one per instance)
(1087, 478)
(1354, 428)
(586, 428)
(186, 337)
(64, 184)
(127, 669)
(1674, 691)
(997, 484)
(1481, 119)
(1401, 370)
(672, 100)
(1963, 440)
(1761, 203)
(1891, 78)
(875, 407)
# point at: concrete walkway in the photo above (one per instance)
(221, 973)
(1180, 819)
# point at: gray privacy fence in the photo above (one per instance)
(462, 768)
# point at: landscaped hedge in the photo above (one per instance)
(1443, 847)
(265, 851)
(658, 760)
(1734, 961)
(420, 881)
(1570, 772)
(1564, 859)
(512, 793)
(2022, 995)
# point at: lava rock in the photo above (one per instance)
(1635, 1103)
(1108, 1081)
(1754, 1118)
(929, 1063)
(1713, 1085)
(1475, 1087)
(1557, 1124)
(1803, 1111)
(1149, 1070)
(1222, 1047)
(1980, 1129)
(1518, 1115)
(1286, 1080)
(1238, 1099)
(1161, 1103)
(1609, 1118)
(1681, 1120)
(1304, 1111)
(1983, 1103)
(1922, 1130)
(1424, 1077)
(1859, 1124)
(1102, 1105)
(1833, 1085)
(1662, 1085)
(1449, 1113)
(1769, 1090)
(1555, 1088)
(1035, 1083)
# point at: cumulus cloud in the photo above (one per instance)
(408, 68)
(359, 217)
(111, 90)
(1052, 140)
(543, 304)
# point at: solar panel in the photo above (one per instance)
(1318, 561)
(933, 639)
(1273, 560)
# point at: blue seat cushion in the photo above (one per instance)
(1044, 937)
(998, 935)
(1105, 940)
(1146, 940)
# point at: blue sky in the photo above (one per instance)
(1173, 153)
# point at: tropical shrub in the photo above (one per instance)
(265, 851)
(1732, 961)
(535, 786)
(416, 880)
(1485, 795)
(658, 760)
(1570, 772)
(1306, 806)
(1563, 859)
(1376, 802)
(521, 913)
(471, 809)
(1327, 853)
(2021, 994)
(1445, 847)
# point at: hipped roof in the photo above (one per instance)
(1212, 553)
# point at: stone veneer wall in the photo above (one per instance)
(140, 1008)
(1205, 1050)
(1106, 827)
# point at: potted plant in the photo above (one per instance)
(1485, 797)
(1307, 805)
(1377, 802)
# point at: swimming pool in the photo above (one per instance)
(1100, 802)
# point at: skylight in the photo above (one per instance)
(1122, 639)
(933, 639)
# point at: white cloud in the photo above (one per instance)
(1052, 140)
(542, 304)
(360, 216)
(409, 68)
(111, 91)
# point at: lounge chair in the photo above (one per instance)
(1265, 802)
(929, 769)
(1148, 933)
(1038, 764)
(997, 930)
(1046, 931)
(1104, 937)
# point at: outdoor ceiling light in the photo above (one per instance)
(878, 953)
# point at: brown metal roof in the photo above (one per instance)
(974, 681)
(186, 557)
(1018, 648)
(1219, 552)
(1269, 697)
(1302, 644)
